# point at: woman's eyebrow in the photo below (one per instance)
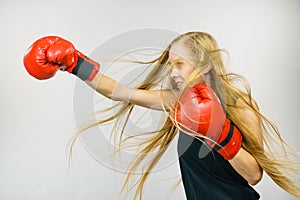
(175, 61)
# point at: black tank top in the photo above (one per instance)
(207, 176)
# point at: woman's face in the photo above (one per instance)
(181, 65)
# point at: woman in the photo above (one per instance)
(193, 62)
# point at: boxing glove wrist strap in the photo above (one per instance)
(227, 139)
(86, 68)
(231, 144)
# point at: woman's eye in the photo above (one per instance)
(175, 64)
(179, 64)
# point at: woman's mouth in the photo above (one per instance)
(178, 84)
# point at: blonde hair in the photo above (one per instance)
(274, 157)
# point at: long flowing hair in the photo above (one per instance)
(275, 157)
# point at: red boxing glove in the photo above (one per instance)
(200, 111)
(49, 54)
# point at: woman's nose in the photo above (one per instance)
(174, 73)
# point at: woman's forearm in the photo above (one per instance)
(246, 165)
(110, 88)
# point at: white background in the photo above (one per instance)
(37, 118)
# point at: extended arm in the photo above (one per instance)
(154, 99)
(49, 54)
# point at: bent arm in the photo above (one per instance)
(243, 162)
(154, 99)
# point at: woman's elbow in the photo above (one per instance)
(256, 178)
